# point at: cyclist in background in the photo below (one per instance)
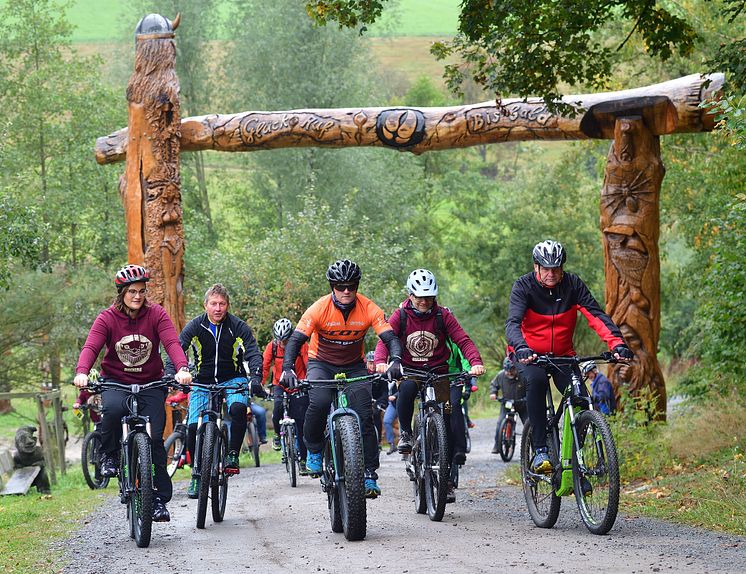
(380, 390)
(85, 397)
(513, 388)
(602, 391)
(132, 330)
(423, 328)
(543, 311)
(274, 354)
(220, 343)
(336, 325)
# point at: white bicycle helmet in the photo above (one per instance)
(282, 329)
(549, 254)
(421, 283)
(586, 368)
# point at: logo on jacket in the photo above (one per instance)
(133, 350)
(421, 345)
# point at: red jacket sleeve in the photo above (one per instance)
(266, 361)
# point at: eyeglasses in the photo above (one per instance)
(133, 292)
(342, 287)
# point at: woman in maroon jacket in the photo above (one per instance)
(132, 331)
(423, 327)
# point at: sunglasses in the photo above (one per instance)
(342, 287)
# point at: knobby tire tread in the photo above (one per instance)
(354, 518)
(219, 486)
(436, 487)
(205, 471)
(603, 523)
(89, 458)
(143, 477)
(176, 442)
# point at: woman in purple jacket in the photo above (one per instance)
(132, 330)
(423, 328)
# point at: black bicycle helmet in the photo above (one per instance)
(343, 271)
(507, 364)
(549, 254)
(130, 274)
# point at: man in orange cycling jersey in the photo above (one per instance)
(336, 325)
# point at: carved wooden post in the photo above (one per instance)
(630, 224)
(151, 187)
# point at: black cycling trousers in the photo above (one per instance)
(537, 382)
(359, 399)
(237, 428)
(298, 408)
(151, 403)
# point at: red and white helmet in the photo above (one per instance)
(130, 274)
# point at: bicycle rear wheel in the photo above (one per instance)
(175, 446)
(207, 455)
(352, 491)
(291, 457)
(595, 470)
(141, 500)
(507, 439)
(91, 461)
(543, 504)
(420, 504)
(436, 467)
(330, 486)
(219, 482)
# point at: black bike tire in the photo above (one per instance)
(542, 519)
(205, 471)
(352, 491)
(420, 504)
(292, 458)
(142, 475)
(468, 439)
(332, 492)
(507, 445)
(219, 486)
(604, 523)
(436, 488)
(255, 444)
(177, 440)
(90, 455)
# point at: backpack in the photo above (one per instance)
(602, 394)
(439, 322)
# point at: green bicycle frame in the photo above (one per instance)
(569, 437)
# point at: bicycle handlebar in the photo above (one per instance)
(102, 384)
(546, 360)
(432, 376)
(340, 382)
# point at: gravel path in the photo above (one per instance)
(270, 527)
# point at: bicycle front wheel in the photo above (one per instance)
(141, 500)
(291, 457)
(507, 439)
(175, 446)
(219, 482)
(330, 486)
(436, 465)
(207, 455)
(252, 442)
(352, 468)
(595, 470)
(91, 461)
(543, 504)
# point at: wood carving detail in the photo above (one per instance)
(152, 193)
(630, 225)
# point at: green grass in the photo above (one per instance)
(34, 521)
(97, 21)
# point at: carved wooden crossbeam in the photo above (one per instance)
(666, 108)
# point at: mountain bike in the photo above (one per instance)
(136, 458)
(506, 434)
(343, 465)
(177, 454)
(429, 463)
(211, 451)
(251, 439)
(583, 455)
(289, 440)
(90, 453)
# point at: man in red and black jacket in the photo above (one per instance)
(543, 311)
